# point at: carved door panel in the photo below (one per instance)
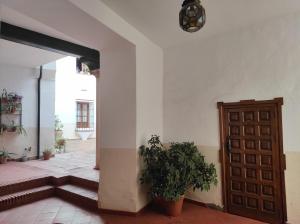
(252, 160)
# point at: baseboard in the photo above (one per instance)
(116, 212)
(20, 159)
(196, 202)
(206, 205)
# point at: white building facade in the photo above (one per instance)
(75, 100)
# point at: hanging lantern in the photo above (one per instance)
(192, 16)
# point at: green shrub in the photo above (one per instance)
(171, 172)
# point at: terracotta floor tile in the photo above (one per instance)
(70, 214)
(79, 164)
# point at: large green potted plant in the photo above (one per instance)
(171, 172)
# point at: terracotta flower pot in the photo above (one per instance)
(47, 156)
(171, 208)
(3, 159)
(11, 129)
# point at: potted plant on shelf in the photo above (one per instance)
(9, 108)
(4, 155)
(12, 127)
(171, 172)
(10, 102)
(47, 153)
(19, 129)
(4, 96)
(14, 97)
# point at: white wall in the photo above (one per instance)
(148, 113)
(149, 68)
(47, 109)
(258, 62)
(118, 97)
(69, 86)
(97, 26)
(23, 81)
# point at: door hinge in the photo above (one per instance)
(283, 162)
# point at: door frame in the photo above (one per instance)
(278, 102)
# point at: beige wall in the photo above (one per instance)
(118, 190)
(257, 62)
(292, 186)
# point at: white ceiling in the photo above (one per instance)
(158, 19)
(22, 55)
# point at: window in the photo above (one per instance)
(85, 118)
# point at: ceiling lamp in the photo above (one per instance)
(192, 16)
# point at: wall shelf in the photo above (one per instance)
(10, 112)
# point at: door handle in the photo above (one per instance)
(228, 145)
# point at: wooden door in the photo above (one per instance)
(252, 159)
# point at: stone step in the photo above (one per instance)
(78, 195)
(85, 183)
(26, 196)
(22, 185)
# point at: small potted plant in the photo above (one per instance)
(58, 128)
(171, 172)
(24, 157)
(4, 155)
(60, 145)
(3, 128)
(10, 102)
(21, 130)
(4, 96)
(47, 153)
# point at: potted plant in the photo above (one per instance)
(47, 153)
(171, 172)
(21, 130)
(4, 97)
(24, 157)
(3, 128)
(4, 155)
(58, 128)
(12, 127)
(60, 145)
(11, 102)
(9, 108)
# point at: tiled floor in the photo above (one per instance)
(80, 164)
(76, 145)
(81, 191)
(55, 210)
(52, 210)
